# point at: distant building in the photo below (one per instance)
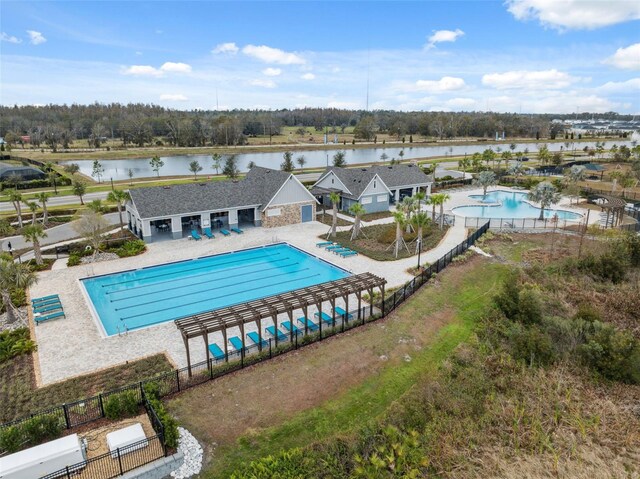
(25, 173)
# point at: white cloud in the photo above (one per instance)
(272, 55)
(631, 86)
(442, 85)
(532, 80)
(272, 72)
(138, 53)
(461, 103)
(228, 47)
(263, 83)
(626, 58)
(9, 38)
(172, 67)
(575, 14)
(142, 70)
(308, 76)
(440, 36)
(343, 105)
(173, 97)
(36, 38)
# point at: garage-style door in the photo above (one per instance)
(307, 213)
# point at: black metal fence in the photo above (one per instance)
(90, 409)
(115, 463)
(627, 195)
(521, 223)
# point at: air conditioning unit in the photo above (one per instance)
(44, 459)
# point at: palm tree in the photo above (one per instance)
(440, 199)
(119, 197)
(419, 196)
(546, 194)
(14, 276)
(79, 189)
(476, 161)
(301, 160)
(33, 206)
(485, 179)
(335, 199)
(356, 210)
(407, 206)
(217, 161)
(33, 234)
(433, 207)
(576, 174)
(43, 198)
(16, 198)
(516, 170)
(464, 164)
(420, 220)
(400, 222)
(96, 206)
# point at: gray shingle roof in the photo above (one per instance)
(257, 188)
(394, 176)
(7, 169)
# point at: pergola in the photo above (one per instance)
(614, 208)
(220, 320)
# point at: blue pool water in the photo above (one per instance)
(143, 297)
(508, 204)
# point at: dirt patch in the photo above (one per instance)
(97, 438)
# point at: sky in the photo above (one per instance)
(529, 56)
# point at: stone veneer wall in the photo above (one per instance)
(291, 214)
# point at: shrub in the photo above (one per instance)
(169, 424)
(74, 259)
(31, 432)
(11, 439)
(531, 344)
(587, 313)
(14, 343)
(131, 248)
(610, 266)
(123, 404)
(614, 354)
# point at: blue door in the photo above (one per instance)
(307, 213)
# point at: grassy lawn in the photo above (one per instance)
(303, 397)
(375, 241)
(328, 218)
(19, 395)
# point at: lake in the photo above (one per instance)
(179, 165)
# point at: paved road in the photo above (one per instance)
(54, 235)
(61, 200)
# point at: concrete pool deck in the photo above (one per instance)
(75, 345)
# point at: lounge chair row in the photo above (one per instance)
(236, 342)
(337, 248)
(207, 232)
(46, 308)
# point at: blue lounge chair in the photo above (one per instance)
(325, 317)
(195, 235)
(45, 309)
(335, 246)
(255, 337)
(236, 342)
(44, 298)
(346, 254)
(207, 232)
(216, 352)
(225, 232)
(237, 230)
(311, 326)
(290, 327)
(342, 313)
(340, 250)
(40, 319)
(281, 336)
(323, 244)
(48, 302)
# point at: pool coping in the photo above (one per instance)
(497, 204)
(96, 317)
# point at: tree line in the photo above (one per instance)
(60, 126)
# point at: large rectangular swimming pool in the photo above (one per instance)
(143, 297)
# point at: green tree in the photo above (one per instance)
(366, 128)
(463, 164)
(217, 162)
(98, 170)
(231, 167)
(43, 198)
(251, 165)
(130, 174)
(119, 197)
(33, 234)
(419, 221)
(356, 210)
(335, 200)
(52, 176)
(506, 156)
(400, 220)
(516, 170)
(544, 155)
(14, 276)
(339, 160)
(546, 194)
(16, 199)
(96, 206)
(301, 160)
(287, 165)
(71, 168)
(156, 163)
(33, 207)
(485, 179)
(79, 189)
(384, 157)
(195, 168)
(488, 156)
(476, 161)
(440, 199)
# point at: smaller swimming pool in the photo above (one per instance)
(509, 204)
